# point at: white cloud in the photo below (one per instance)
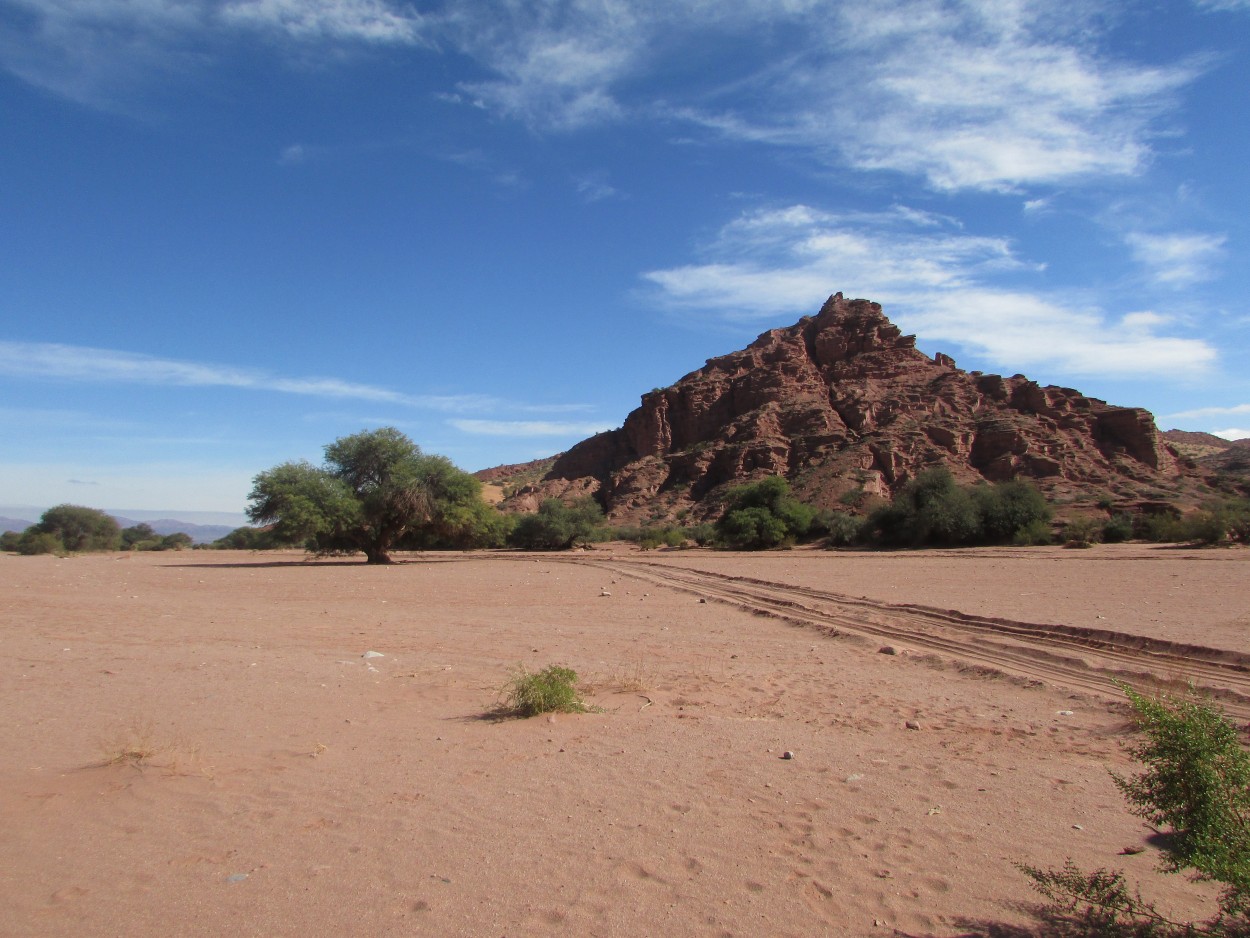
(1177, 260)
(936, 282)
(527, 428)
(1204, 413)
(292, 155)
(1227, 6)
(359, 20)
(783, 261)
(44, 361)
(965, 94)
(1232, 434)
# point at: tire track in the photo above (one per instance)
(1068, 656)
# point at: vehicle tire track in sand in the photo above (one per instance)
(1069, 656)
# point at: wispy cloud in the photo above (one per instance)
(1177, 260)
(44, 361)
(359, 20)
(964, 94)
(1204, 413)
(939, 282)
(527, 428)
(1232, 434)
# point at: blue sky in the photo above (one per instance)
(231, 232)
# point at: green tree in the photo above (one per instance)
(79, 528)
(763, 514)
(557, 525)
(137, 536)
(375, 489)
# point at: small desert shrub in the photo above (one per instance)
(9, 541)
(551, 690)
(661, 536)
(1117, 529)
(1034, 534)
(1081, 532)
(1196, 783)
(843, 528)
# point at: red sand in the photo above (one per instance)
(294, 787)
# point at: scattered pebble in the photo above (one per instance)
(236, 877)
(887, 650)
(853, 777)
(787, 754)
(1077, 827)
(912, 724)
(1063, 713)
(373, 654)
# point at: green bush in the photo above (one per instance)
(843, 529)
(558, 525)
(551, 690)
(1118, 528)
(33, 542)
(78, 529)
(763, 514)
(933, 509)
(9, 541)
(1081, 531)
(1195, 783)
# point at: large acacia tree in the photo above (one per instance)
(375, 492)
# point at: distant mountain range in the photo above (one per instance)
(199, 533)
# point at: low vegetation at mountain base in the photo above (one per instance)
(376, 492)
(932, 509)
(763, 514)
(1195, 788)
(559, 525)
(142, 537)
(551, 690)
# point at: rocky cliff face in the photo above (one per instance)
(841, 404)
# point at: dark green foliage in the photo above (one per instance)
(843, 529)
(142, 537)
(248, 538)
(1007, 508)
(1219, 522)
(661, 536)
(763, 514)
(9, 541)
(138, 537)
(558, 525)
(551, 690)
(1081, 531)
(78, 529)
(1196, 785)
(1119, 528)
(375, 492)
(33, 542)
(932, 510)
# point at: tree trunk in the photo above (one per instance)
(375, 554)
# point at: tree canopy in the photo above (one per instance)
(763, 514)
(74, 528)
(375, 492)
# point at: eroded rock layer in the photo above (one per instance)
(843, 403)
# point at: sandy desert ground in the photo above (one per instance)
(292, 786)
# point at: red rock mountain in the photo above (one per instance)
(844, 403)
